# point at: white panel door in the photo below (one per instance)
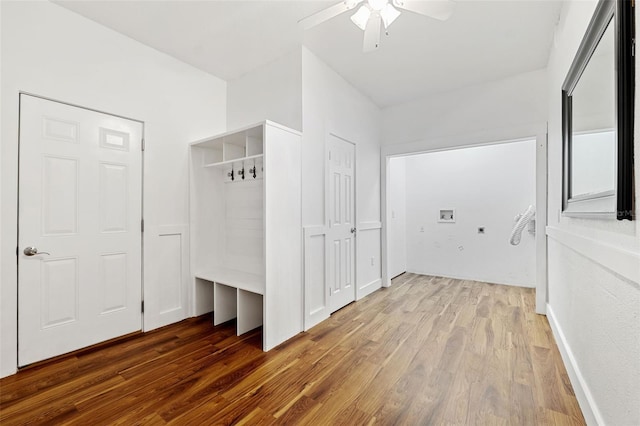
(341, 214)
(79, 253)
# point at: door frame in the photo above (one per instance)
(536, 133)
(326, 216)
(17, 236)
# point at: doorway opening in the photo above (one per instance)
(451, 212)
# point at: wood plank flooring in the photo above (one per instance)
(427, 351)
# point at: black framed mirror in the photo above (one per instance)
(597, 117)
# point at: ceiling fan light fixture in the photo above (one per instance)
(361, 17)
(377, 4)
(388, 15)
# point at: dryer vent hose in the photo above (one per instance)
(521, 221)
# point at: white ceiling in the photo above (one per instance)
(483, 41)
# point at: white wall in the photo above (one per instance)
(301, 92)
(331, 105)
(594, 277)
(487, 186)
(501, 110)
(397, 216)
(509, 109)
(52, 52)
(270, 92)
(2, 370)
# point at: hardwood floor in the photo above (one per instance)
(428, 351)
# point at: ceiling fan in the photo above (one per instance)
(373, 13)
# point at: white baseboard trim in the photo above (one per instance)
(587, 404)
(369, 288)
(313, 320)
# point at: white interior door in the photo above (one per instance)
(79, 253)
(342, 229)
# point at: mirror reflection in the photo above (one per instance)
(593, 137)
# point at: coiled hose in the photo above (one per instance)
(522, 221)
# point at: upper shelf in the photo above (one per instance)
(229, 147)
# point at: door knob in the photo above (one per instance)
(32, 251)
(353, 230)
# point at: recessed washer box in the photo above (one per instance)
(447, 215)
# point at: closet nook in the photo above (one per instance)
(246, 237)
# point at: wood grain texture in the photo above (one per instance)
(427, 350)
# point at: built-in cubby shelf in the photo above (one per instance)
(230, 147)
(232, 302)
(234, 278)
(246, 230)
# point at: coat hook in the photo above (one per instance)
(230, 174)
(253, 171)
(241, 173)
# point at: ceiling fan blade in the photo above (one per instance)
(372, 34)
(437, 9)
(324, 15)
